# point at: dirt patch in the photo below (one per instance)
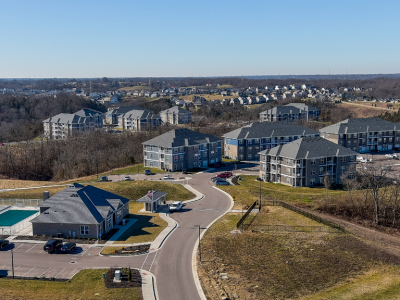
(132, 250)
(135, 279)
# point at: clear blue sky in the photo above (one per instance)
(132, 38)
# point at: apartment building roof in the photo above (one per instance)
(269, 129)
(123, 109)
(302, 106)
(86, 112)
(139, 114)
(66, 119)
(181, 137)
(175, 110)
(78, 204)
(360, 125)
(282, 110)
(309, 147)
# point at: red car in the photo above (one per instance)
(222, 175)
(228, 173)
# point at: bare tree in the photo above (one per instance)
(327, 183)
(349, 181)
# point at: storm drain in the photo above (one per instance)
(72, 262)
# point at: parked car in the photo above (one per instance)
(223, 175)
(229, 174)
(175, 206)
(68, 247)
(389, 155)
(127, 178)
(184, 171)
(52, 246)
(1, 144)
(147, 172)
(4, 243)
(214, 179)
(222, 183)
(167, 177)
(375, 151)
(104, 178)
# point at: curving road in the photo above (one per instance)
(173, 264)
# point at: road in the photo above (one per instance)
(171, 264)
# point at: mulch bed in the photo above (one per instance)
(131, 250)
(44, 238)
(136, 279)
(4, 237)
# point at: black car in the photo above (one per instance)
(184, 171)
(68, 247)
(375, 151)
(52, 246)
(4, 243)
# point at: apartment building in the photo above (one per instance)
(290, 112)
(176, 115)
(111, 116)
(245, 143)
(364, 134)
(138, 120)
(180, 149)
(62, 126)
(305, 162)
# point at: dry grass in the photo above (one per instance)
(87, 284)
(15, 184)
(287, 265)
(136, 87)
(363, 111)
(208, 97)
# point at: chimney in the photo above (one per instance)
(46, 195)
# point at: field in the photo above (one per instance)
(248, 191)
(15, 184)
(208, 97)
(292, 265)
(87, 284)
(136, 87)
(364, 110)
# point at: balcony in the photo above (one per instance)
(298, 165)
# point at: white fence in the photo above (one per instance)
(10, 230)
(20, 202)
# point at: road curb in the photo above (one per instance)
(194, 256)
(149, 290)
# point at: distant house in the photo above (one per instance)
(80, 211)
(176, 115)
(180, 149)
(139, 119)
(111, 116)
(62, 126)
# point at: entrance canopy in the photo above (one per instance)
(152, 200)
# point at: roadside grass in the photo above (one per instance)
(248, 191)
(282, 265)
(87, 284)
(379, 283)
(129, 189)
(136, 169)
(15, 184)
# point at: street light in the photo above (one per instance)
(199, 242)
(12, 259)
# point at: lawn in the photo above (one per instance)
(248, 191)
(282, 265)
(87, 284)
(15, 184)
(129, 189)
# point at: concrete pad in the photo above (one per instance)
(68, 273)
(21, 271)
(92, 252)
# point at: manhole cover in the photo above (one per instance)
(72, 262)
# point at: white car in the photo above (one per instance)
(127, 178)
(167, 177)
(389, 155)
(360, 158)
(175, 206)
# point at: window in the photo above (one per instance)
(195, 164)
(182, 157)
(182, 149)
(257, 148)
(241, 157)
(240, 142)
(321, 180)
(241, 149)
(287, 161)
(250, 156)
(321, 170)
(341, 136)
(249, 142)
(250, 148)
(228, 140)
(212, 152)
(321, 160)
(343, 159)
(175, 157)
(349, 143)
(288, 180)
(312, 171)
(257, 141)
(175, 150)
(312, 181)
(263, 167)
(182, 165)
(343, 168)
(205, 154)
(84, 230)
(175, 167)
(149, 148)
(287, 171)
(313, 161)
(195, 148)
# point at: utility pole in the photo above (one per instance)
(199, 243)
(12, 260)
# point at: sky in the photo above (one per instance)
(176, 38)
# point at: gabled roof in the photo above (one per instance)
(155, 196)
(302, 106)
(78, 204)
(282, 110)
(123, 109)
(360, 125)
(66, 119)
(175, 110)
(309, 147)
(269, 129)
(181, 137)
(139, 114)
(86, 112)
